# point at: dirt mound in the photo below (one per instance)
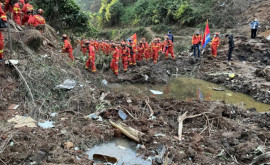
(30, 37)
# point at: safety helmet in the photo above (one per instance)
(22, 1)
(86, 42)
(143, 39)
(167, 37)
(64, 36)
(123, 43)
(40, 11)
(140, 42)
(216, 34)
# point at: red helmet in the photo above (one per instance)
(22, 1)
(40, 11)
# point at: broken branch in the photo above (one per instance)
(150, 108)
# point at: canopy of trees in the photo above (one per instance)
(65, 16)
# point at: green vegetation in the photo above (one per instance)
(65, 16)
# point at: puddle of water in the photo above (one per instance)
(183, 88)
(122, 149)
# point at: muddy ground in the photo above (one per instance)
(222, 134)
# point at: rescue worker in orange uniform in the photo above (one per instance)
(67, 48)
(92, 56)
(17, 11)
(125, 55)
(133, 51)
(35, 20)
(4, 18)
(215, 45)
(146, 49)
(159, 44)
(8, 6)
(168, 48)
(107, 48)
(196, 42)
(83, 46)
(154, 50)
(115, 59)
(140, 51)
(27, 8)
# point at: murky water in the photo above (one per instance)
(183, 88)
(122, 149)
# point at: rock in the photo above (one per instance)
(68, 145)
(196, 137)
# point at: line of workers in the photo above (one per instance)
(128, 51)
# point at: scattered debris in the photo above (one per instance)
(14, 62)
(160, 135)
(13, 106)
(122, 114)
(104, 82)
(105, 158)
(46, 124)
(68, 84)
(54, 114)
(156, 92)
(218, 89)
(22, 121)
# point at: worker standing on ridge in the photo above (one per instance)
(115, 59)
(154, 50)
(168, 48)
(133, 51)
(140, 51)
(92, 56)
(125, 55)
(146, 49)
(17, 11)
(196, 42)
(4, 19)
(254, 28)
(231, 47)
(215, 45)
(36, 20)
(170, 35)
(27, 9)
(67, 48)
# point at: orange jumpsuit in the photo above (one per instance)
(4, 18)
(107, 49)
(27, 7)
(159, 46)
(36, 20)
(140, 52)
(67, 48)
(114, 62)
(17, 13)
(83, 47)
(168, 48)
(214, 46)
(133, 50)
(125, 55)
(154, 50)
(146, 51)
(91, 60)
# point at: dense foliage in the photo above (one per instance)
(194, 13)
(65, 16)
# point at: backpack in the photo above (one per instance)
(3, 24)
